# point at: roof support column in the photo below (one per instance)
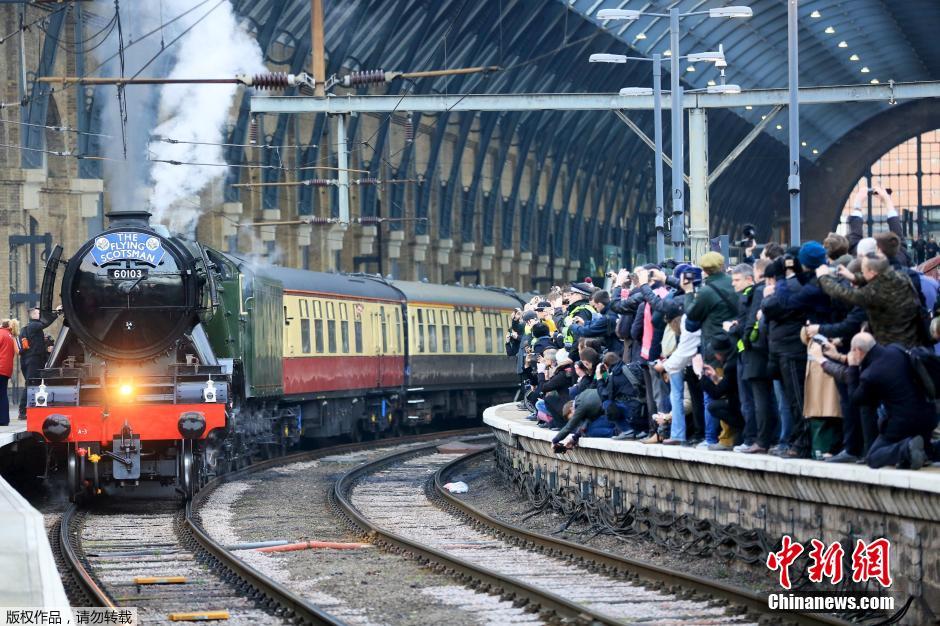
(698, 187)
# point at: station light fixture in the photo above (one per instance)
(803, 143)
(723, 89)
(667, 53)
(854, 57)
(739, 11)
(748, 107)
(636, 91)
(815, 151)
(603, 57)
(711, 83)
(865, 70)
(691, 68)
(618, 14)
(640, 36)
(875, 81)
(710, 57)
(815, 14)
(779, 127)
(843, 44)
(830, 30)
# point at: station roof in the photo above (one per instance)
(544, 47)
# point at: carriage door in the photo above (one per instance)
(377, 343)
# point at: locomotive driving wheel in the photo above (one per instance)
(188, 476)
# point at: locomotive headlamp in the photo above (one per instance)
(126, 389)
(208, 394)
(42, 396)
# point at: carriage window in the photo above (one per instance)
(471, 338)
(398, 334)
(305, 336)
(358, 331)
(317, 310)
(344, 327)
(420, 327)
(331, 335)
(445, 331)
(488, 339)
(302, 308)
(384, 330)
(318, 335)
(432, 331)
(458, 332)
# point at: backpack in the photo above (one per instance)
(926, 366)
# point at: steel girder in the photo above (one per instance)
(38, 108)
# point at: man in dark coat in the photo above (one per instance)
(889, 299)
(886, 378)
(603, 326)
(720, 382)
(33, 354)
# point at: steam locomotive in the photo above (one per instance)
(176, 362)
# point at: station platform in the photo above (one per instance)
(30, 577)
(12, 432)
(733, 492)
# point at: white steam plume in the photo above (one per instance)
(215, 47)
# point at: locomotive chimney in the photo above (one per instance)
(135, 215)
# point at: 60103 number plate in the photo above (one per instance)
(122, 273)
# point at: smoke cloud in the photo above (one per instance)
(212, 44)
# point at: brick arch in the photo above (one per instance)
(828, 185)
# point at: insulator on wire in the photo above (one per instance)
(319, 220)
(319, 182)
(369, 220)
(409, 129)
(253, 131)
(365, 77)
(367, 181)
(272, 80)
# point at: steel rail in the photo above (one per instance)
(79, 573)
(292, 604)
(604, 560)
(465, 570)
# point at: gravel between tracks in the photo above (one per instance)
(365, 586)
(492, 495)
(394, 498)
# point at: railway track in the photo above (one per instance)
(155, 555)
(399, 502)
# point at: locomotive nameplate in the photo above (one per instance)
(130, 273)
(128, 246)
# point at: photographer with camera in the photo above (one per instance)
(603, 326)
(711, 305)
(748, 243)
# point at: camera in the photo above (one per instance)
(888, 190)
(820, 339)
(749, 236)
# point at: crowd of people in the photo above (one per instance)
(31, 346)
(826, 351)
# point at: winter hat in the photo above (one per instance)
(866, 246)
(528, 316)
(722, 342)
(711, 262)
(812, 255)
(540, 330)
(671, 310)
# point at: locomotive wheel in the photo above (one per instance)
(188, 471)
